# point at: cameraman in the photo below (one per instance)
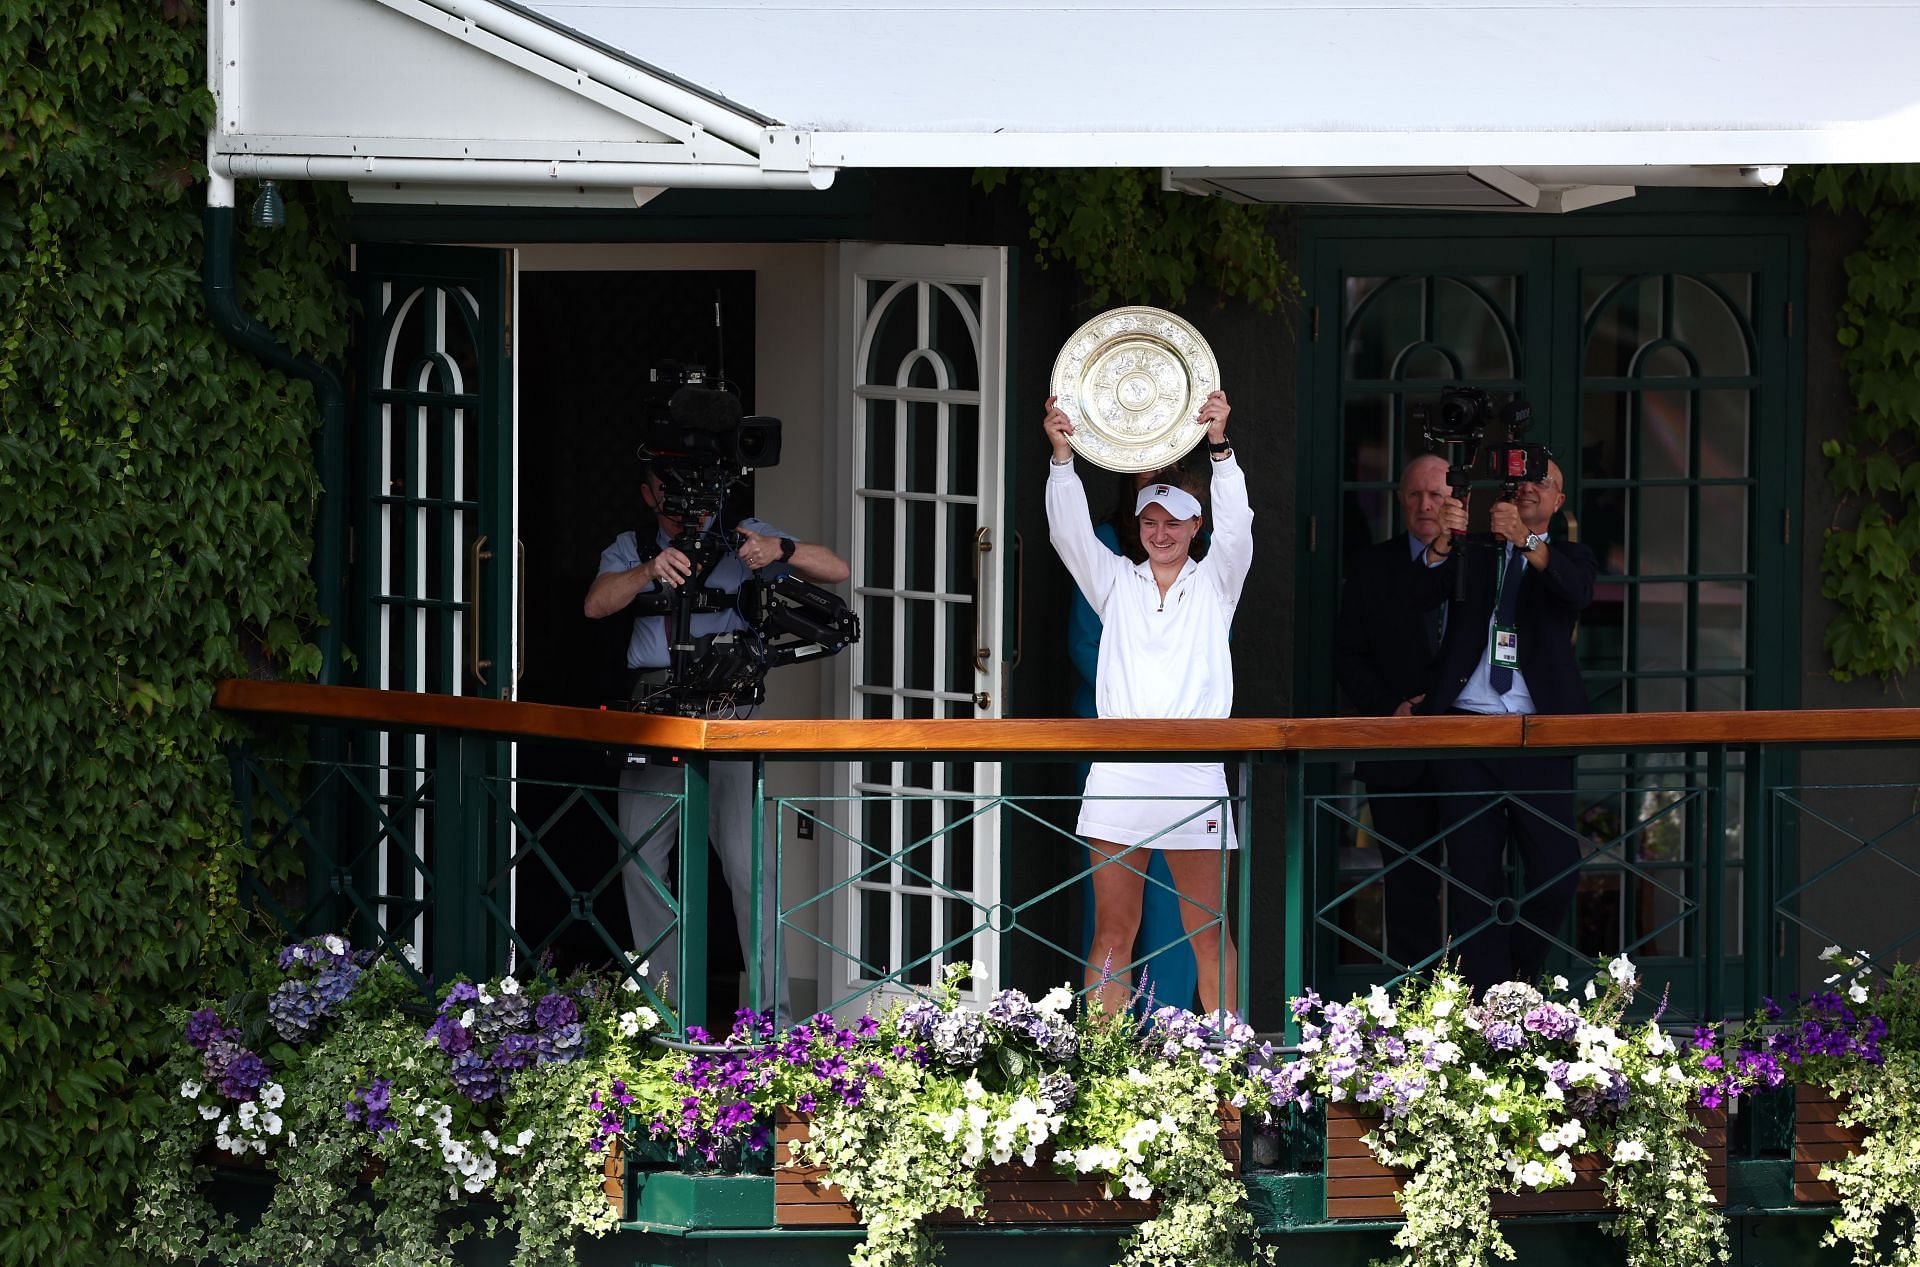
(627, 571)
(1509, 649)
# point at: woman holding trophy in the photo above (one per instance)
(1163, 654)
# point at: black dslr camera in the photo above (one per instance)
(1480, 441)
(701, 444)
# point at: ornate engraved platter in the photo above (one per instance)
(1132, 380)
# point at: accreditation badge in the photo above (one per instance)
(1506, 647)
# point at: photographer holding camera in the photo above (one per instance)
(1508, 649)
(666, 557)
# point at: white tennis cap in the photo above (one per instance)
(1178, 501)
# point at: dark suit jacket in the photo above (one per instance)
(1381, 654)
(1550, 603)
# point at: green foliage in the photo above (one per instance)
(155, 495)
(1132, 242)
(1871, 547)
(428, 1168)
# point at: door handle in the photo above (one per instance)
(1019, 601)
(982, 546)
(519, 610)
(475, 664)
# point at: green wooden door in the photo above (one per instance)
(1661, 372)
(433, 566)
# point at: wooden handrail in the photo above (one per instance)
(410, 710)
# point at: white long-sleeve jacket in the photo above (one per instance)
(1159, 658)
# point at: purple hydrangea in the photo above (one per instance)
(1505, 1036)
(562, 1043)
(960, 1039)
(554, 1010)
(474, 1077)
(515, 1051)
(507, 1014)
(243, 1076)
(204, 1027)
(335, 983)
(295, 1011)
(1552, 1022)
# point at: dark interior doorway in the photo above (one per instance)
(586, 341)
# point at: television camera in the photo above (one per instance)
(1480, 440)
(701, 444)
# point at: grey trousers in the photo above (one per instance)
(730, 809)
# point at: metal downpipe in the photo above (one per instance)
(249, 335)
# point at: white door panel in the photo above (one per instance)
(922, 334)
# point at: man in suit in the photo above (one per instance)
(1384, 658)
(1509, 649)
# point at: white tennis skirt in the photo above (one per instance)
(1167, 805)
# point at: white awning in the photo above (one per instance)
(1300, 83)
(1542, 104)
(468, 93)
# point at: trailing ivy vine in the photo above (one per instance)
(1871, 558)
(156, 492)
(1132, 242)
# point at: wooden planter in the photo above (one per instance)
(1015, 1192)
(1818, 1138)
(1359, 1187)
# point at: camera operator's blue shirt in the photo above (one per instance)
(647, 649)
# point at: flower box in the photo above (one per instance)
(1359, 1187)
(1819, 1138)
(1015, 1192)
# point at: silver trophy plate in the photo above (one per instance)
(1131, 381)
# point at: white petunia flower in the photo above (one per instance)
(1559, 984)
(524, 1137)
(467, 1019)
(977, 971)
(1622, 970)
(334, 945)
(1835, 977)
(190, 1090)
(1443, 1007)
(1630, 1150)
(209, 1111)
(1857, 992)
(273, 1095)
(509, 986)
(1592, 990)
(1057, 1000)
(1831, 952)
(270, 1123)
(411, 955)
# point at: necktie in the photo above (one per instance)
(1506, 609)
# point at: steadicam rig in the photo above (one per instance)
(701, 444)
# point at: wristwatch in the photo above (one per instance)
(786, 549)
(1531, 543)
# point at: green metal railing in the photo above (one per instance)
(1726, 866)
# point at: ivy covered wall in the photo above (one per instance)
(156, 493)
